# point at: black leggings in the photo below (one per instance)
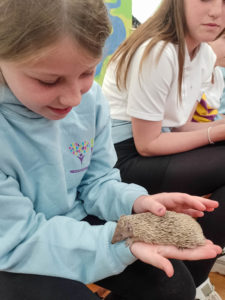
(197, 172)
(138, 281)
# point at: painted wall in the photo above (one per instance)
(143, 9)
(120, 13)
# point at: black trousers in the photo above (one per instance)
(197, 172)
(138, 281)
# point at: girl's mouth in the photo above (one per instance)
(60, 111)
(212, 25)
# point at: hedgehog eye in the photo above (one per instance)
(129, 228)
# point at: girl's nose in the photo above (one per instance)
(70, 101)
(71, 95)
(216, 9)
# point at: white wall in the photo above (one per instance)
(143, 9)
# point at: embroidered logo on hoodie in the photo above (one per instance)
(80, 150)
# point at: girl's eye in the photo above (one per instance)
(87, 74)
(48, 83)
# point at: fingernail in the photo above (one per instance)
(161, 210)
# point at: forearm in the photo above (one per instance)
(192, 126)
(176, 142)
(63, 247)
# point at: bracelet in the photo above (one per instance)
(209, 139)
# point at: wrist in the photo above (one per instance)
(209, 135)
(217, 133)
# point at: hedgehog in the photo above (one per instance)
(173, 228)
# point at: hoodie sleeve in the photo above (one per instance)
(59, 246)
(101, 190)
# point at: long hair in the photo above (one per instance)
(29, 26)
(221, 33)
(167, 24)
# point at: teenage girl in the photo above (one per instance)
(153, 83)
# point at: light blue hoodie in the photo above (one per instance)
(53, 174)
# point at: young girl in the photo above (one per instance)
(153, 83)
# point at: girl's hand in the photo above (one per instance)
(178, 202)
(157, 255)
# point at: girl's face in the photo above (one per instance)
(205, 20)
(54, 83)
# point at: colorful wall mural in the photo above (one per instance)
(120, 13)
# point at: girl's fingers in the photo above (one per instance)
(210, 209)
(149, 203)
(171, 200)
(193, 213)
(156, 208)
(196, 202)
(158, 255)
(163, 264)
(209, 203)
(149, 254)
(179, 202)
(203, 252)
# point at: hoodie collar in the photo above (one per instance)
(9, 104)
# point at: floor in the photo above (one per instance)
(217, 280)
(97, 289)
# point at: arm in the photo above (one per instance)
(101, 189)
(192, 126)
(150, 141)
(58, 246)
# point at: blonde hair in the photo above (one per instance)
(29, 26)
(167, 24)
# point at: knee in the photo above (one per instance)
(182, 289)
(185, 291)
(181, 286)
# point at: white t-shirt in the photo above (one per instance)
(153, 95)
(214, 92)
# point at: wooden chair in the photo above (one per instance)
(102, 293)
